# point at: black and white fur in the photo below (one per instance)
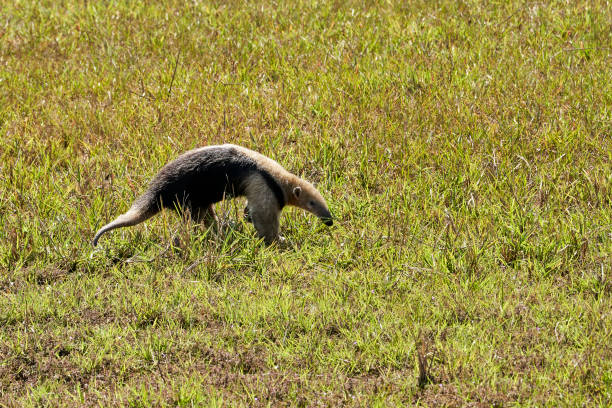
(201, 177)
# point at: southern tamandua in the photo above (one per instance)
(201, 177)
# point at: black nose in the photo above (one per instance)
(328, 221)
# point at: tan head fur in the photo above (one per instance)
(305, 196)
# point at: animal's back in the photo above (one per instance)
(201, 177)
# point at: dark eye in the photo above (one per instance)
(312, 203)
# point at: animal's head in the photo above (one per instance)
(304, 195)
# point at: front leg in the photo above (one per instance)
(265, 221)
(263, 208)
(247, 214)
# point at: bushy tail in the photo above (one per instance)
(135, 215)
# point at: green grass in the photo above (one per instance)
(465, 148)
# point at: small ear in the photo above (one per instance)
(297, 191)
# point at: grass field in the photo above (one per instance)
(464, 147)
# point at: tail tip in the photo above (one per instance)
(94, 241)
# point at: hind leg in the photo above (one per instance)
(204, 215)
(200, 217)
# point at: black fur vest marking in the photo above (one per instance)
(202, 177)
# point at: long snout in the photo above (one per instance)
(327, 219)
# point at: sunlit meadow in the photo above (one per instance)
(464, 148)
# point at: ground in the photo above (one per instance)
(464, 148)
